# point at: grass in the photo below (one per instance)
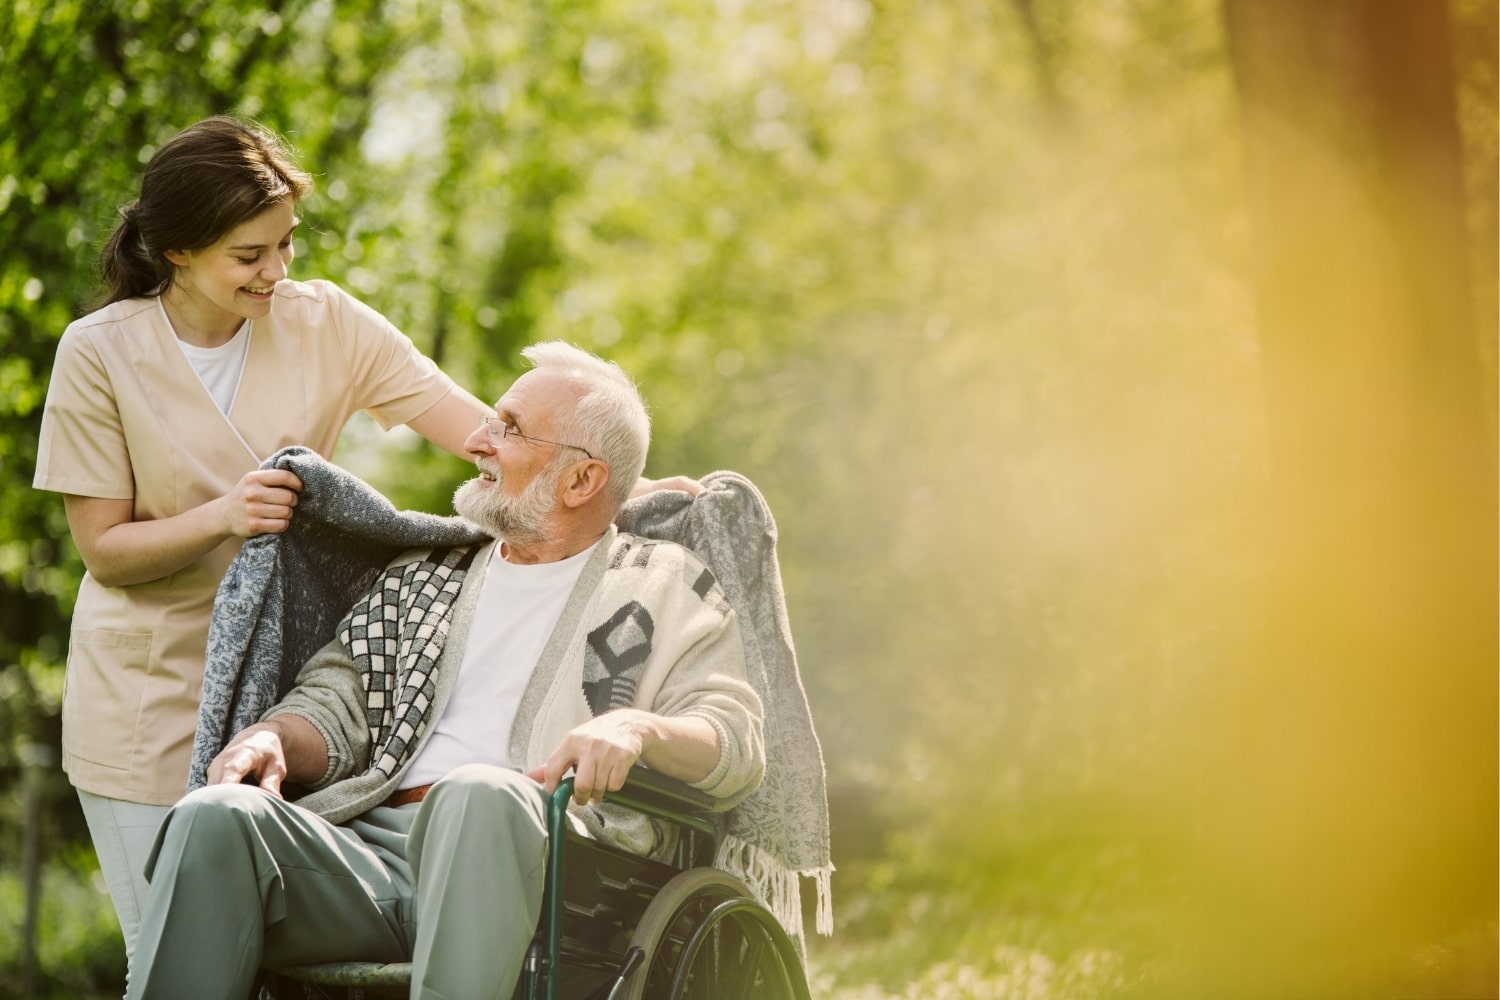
(1061, 901)
(1001, 910)
(78, 944)
(1062, 907)
(1050, 901)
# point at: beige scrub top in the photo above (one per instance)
(127, 418)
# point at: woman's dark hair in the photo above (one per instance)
(199, 185)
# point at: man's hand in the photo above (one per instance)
(255, 753)
(601, 753)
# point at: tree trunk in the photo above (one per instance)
(1353, 825)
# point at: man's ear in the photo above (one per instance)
(584, 481)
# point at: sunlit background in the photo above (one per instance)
(1122, 374)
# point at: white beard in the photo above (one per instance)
(521, 519)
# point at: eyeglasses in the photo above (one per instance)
(499, 430)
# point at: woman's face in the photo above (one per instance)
(219, 287)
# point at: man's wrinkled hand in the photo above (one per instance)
(600, 753)
(256, 753)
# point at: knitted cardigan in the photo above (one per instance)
(645, 626)
(780, 833)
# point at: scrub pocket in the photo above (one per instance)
(102, 691)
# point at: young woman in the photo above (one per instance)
(203, 360)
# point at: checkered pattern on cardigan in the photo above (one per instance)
(395, 635)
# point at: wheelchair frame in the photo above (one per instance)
(700, 934)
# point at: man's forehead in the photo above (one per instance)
(537, 393)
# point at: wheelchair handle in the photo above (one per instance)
(647, 792)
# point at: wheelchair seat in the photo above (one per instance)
(616, 926)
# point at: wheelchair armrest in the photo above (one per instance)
(652, 794)
(649, 787)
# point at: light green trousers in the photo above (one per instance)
(240, 878)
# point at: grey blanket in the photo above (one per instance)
(285, 594)
(781, 830)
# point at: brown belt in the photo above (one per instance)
(407, 796)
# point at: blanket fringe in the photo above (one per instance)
(778, 887)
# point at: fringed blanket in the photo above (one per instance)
(779, 833)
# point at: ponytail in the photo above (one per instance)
(129, 268)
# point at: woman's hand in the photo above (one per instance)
(121, 551)
(261, 503)
(680, 483)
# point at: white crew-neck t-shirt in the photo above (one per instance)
(514, 615)
(220, 368)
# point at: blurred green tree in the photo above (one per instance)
(86, 92)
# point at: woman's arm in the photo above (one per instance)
(119, 550)
(449, 422)
(680, 483)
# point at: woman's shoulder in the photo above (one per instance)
(101, 321)
(319, 301)
(107, 336)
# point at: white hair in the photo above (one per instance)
(610, 419)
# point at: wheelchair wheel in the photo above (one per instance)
(704, 936)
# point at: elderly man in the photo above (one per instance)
(458, 693)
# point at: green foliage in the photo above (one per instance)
(79, 949)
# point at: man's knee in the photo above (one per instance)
(218, 805)
(483, 792)
(206, 823)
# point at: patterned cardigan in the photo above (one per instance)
(646, 627)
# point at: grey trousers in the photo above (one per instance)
(240, 878)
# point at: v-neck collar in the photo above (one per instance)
(184, 378)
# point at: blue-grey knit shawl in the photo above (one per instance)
(284, 594)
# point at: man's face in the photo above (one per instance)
(516, 490)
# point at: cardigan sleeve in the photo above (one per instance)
(329, 695)
(707, 681)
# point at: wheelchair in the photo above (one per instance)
(616, 926)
